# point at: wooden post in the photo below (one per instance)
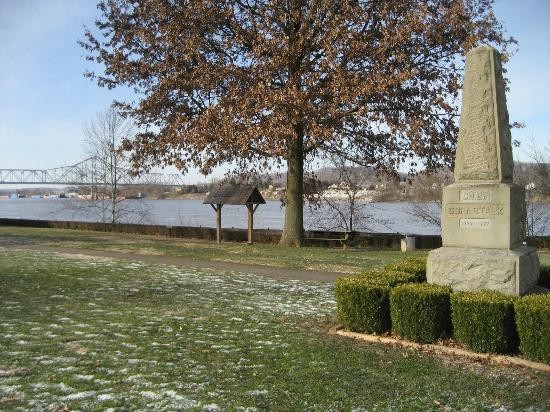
(250, 223)
(251, 210)
(219, 224)
(218, 209)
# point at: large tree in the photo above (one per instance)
(258, 83)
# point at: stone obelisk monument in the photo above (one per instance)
(483, 212)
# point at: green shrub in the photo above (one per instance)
(484, 321)
(533, 323)
(544, 279)
(363, 304)
(421, 312)
(413, 265)
(390, 278)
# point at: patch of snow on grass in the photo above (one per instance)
(105, 397)
(83, 378)
(258, 392)
(47, 362)
(9, 389)
(79, 395)
(150, 395)
(180, 328)
(67, 369)
(62, 387)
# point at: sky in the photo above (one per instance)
(45, 99)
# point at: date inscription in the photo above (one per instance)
(475, 223)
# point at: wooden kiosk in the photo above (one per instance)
(246, 195)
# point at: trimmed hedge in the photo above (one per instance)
(363, 304)
(484, 321)
(533, 324)
(421, 312)
(413, 265)
(544, 279)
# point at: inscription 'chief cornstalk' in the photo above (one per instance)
(459, 209)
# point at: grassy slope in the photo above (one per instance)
(93, 334)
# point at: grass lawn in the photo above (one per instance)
(97, 334)
(309, 258)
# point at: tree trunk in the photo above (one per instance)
(293, 230)
(351, 213)
(114, 190)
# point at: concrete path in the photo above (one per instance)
(273, 272)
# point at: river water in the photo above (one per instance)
(378, 217)
(382, 217)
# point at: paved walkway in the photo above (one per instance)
(273, 272)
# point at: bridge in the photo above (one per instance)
(86, 173)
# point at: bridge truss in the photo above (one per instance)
(86, 173)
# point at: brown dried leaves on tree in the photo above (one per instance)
(261, 82)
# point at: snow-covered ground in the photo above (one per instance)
(98, 334)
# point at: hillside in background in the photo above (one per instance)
(422, 187)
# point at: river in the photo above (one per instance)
(377, 217)
(382, 217)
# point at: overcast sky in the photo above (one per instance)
(44, 99)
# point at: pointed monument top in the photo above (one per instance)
(484, 150)
(482, 47)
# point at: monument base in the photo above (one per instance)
(513, 272)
